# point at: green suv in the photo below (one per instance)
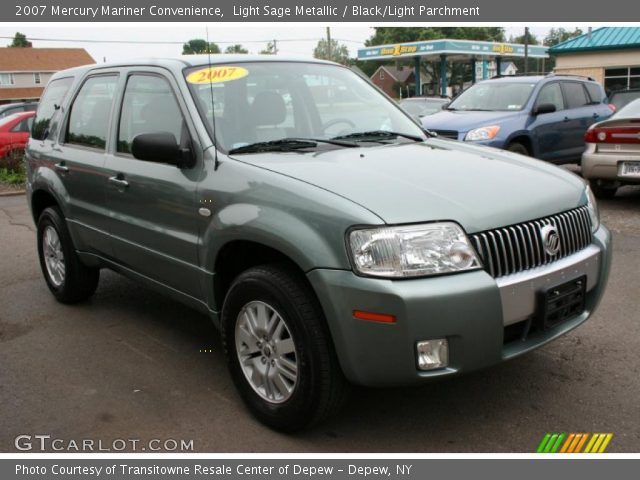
(329, 237)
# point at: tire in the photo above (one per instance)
(602, 191)
(516, 147)
(286, 402)
(67, 277)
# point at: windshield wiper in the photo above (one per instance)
(377, 135)
(287, 145)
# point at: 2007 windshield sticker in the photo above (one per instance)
(217, 74)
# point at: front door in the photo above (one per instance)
(154, 224)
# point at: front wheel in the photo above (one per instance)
(516, 147)
(279, 350)
(67, 277)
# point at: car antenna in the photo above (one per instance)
(216, 163)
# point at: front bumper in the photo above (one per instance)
(474, 311)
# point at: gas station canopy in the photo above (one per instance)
(455, 50)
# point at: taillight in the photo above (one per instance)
(612, 107)
(613, 135)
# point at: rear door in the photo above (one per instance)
(581, 114)
(79, 158)
(154, 211)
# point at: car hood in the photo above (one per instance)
(479, 187)
(465, 121)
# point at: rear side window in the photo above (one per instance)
(49, 104)
(551, 93)
(11, 111)
(91, 111)
(596, 93)
(148, 106)
(575, 94)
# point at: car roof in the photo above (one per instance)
(187, 61)
(16, 116)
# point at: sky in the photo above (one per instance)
(292, 40)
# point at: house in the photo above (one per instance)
(506, 69)
(610, 55)
(24, 72)
(393, 80)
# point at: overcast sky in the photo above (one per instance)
(292, 40)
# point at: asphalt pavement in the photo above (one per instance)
(132, 364)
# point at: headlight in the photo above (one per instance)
(592, 206)
(412, 250)
(483, 133)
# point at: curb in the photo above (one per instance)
(12, 193)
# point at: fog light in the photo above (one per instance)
(433, 354)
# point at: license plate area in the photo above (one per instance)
(562, 302)
(629, 169)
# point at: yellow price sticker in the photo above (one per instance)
(217, 74)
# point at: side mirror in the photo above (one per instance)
(544, 108)
(161, 147)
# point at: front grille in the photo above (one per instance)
(452, 134)
(520, 247)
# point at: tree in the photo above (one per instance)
(338, 53)
(198, 45)
(559, 35)
(236, 49)
(20, 41)
(271, 49)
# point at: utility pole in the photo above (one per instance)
(328, 43)
(526, 50)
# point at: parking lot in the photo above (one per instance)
(132, 364)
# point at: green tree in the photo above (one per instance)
(338, 52)
(20, 41)
(270, 50)
(198, 45)
(236, 49)
(535, 66)
(559, 35)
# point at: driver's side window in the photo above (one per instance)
(551, 94)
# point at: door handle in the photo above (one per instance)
(595, 115)
(119, 181)
(61, 167)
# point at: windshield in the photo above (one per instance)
(630, 110)
(271, 101)
(620, 99)
(494, 96)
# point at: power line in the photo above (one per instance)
(168, 42)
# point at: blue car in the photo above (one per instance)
(545, 117)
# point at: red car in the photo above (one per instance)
(14, 132)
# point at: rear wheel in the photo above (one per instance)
(602, 190)
(279, 350)
(67, 277)
(517, 147)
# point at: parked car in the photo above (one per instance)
(620, 98)
(541, 116)
(331, 243)
(14, 132)
(423, 106)
(11, 108)
(612, 156)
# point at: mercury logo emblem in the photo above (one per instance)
(550, 239)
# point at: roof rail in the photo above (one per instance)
(530, 74)
(553, 74)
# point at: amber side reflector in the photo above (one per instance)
(374, 317)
